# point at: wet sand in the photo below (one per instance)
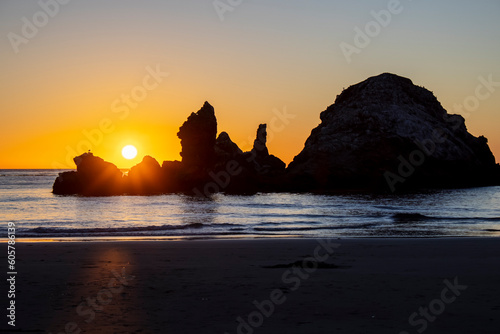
(259, 286)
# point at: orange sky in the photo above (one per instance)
(101, 76)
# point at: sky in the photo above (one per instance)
(99, 75)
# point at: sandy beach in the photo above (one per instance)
(259, 286)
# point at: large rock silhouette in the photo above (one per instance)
(93, 177)
(147, 177)
(384, 133)
(387, 133)
(198, 135)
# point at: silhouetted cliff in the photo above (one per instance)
(387, 133)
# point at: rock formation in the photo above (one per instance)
(67, 183)
(263, 162)
(386, 133)
(247, 172)
(259, 144)
(226, 149)
(93, 177)
(147, 177)
(197, 136)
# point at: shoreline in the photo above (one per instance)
(355, 285)
(228, 238)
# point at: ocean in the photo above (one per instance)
(26, 199)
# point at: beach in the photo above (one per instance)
(250, 167)
(431, 285)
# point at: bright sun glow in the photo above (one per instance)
(129, 152)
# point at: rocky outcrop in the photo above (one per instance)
(67, 183)
(387, 133)
(147, 177)
(173, 174)
(259, 144)
(198, 135)
(262, 162)
(384, 133)
(226, 149)
(93, 177)
(248, 172)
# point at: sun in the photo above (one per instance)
(129, 152)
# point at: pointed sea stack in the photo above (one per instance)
(263, 162)
(198, 135)
(385, 133)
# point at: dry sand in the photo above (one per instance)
(259, 286)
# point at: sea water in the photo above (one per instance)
(26, 199)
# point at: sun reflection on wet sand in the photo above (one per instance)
(91, 287)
